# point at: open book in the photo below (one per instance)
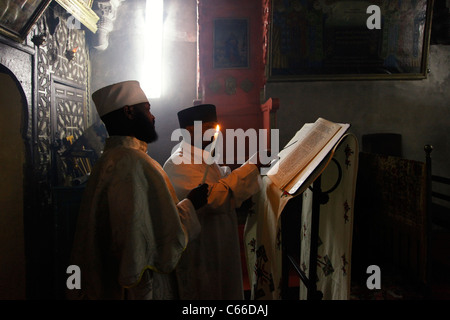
(304, 152)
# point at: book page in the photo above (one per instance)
(301, 150)
(304, 174)
(299, 136)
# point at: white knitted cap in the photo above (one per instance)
(118, 95)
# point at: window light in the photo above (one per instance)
(152, 65)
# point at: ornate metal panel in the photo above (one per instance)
(61, 87)
(70, 111)
(62, 104)
(68, 122)
(56, 90)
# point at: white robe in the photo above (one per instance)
(131, 229)
(211, 266)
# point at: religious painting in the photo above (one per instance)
(349, 39)
(231, 44)
(17, 17)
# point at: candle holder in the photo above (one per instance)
(70, 54)
(39, 39)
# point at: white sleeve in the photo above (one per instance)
(189, 219)
(239, 185)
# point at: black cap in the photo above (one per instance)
(202, 112)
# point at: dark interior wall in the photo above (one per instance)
(118, 62)
(181, 68)
(125, 45)
(53, 107)
(417, 109)
(231, 67)
(12, 159)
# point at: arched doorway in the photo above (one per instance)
(12, 162)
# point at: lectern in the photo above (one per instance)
(308, 230)
(334, 178)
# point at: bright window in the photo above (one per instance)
(152, 67)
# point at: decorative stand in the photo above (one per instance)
(291, 226)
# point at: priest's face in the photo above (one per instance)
(144, 122)
(197, 140)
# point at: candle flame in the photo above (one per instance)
(217, 132)
(213, 144)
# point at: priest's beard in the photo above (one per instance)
(146, 131)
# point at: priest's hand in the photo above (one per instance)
(198, 196)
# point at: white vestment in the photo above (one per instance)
(131, 229)
(211, 266)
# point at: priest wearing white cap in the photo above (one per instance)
(211, 266)
(131, 229)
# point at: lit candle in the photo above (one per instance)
(213, 145)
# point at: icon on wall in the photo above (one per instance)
(331, 40)
(18, 17)
(231, 46)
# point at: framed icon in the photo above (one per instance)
(231, 44)
(17, 17)
(332, 40)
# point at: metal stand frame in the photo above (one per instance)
(289, 224)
